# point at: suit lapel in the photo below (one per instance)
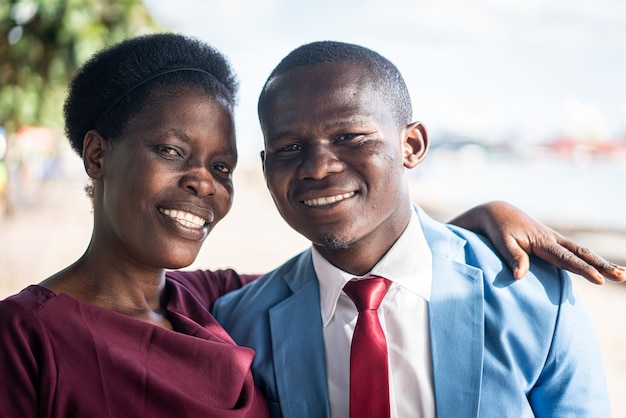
(456, 321)
(457, 339)
(299, 363)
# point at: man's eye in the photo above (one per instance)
(291, 148)
(347, 137)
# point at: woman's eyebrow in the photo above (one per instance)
(177, 133)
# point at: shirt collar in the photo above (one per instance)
(407, 263)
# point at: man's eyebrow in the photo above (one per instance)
(356, 121)
(278, 136)
(341, 123)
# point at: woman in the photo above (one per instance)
(112, 334)
(109, 336)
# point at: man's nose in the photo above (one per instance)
(320, 161)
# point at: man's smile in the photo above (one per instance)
(327, 200)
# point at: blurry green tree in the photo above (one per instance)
(42, 43)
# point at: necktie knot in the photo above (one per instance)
(367, 293)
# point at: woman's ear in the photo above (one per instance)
(415, 144)
(262, 154)
(94, 150)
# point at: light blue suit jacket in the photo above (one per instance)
(500, 347)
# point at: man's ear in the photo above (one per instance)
(415, 144)
(94, 150)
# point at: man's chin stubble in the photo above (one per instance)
(332, 243)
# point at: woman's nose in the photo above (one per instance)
(199, 181)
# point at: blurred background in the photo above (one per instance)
(524, 100)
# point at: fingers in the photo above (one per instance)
(515, 235)
(594, 262)
(520, 269)
(616, 273)
(560, 255)
(573, 263)
(515, 256)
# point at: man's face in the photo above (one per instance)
(334, 158)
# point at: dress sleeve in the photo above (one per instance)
(212, 284)
(22, 351)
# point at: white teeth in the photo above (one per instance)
(328, 200)
(185, 218)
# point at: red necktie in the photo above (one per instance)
(369, 369)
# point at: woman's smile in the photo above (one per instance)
(186, 224)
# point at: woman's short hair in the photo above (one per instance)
(116, 83)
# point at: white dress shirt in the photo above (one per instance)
(403, 316)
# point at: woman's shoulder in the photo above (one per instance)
(30, 299)
(21, 321)
(208, 285)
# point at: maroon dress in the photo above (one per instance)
(61, 357)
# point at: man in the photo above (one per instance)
(463, 337)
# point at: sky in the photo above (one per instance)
(517, 70)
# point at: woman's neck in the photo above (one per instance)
(129, 290)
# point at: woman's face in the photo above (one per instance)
(167, 180)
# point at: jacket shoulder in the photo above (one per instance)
(269, 289)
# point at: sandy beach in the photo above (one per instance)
(52, 227)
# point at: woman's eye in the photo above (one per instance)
(169, 151)
(222, 168)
